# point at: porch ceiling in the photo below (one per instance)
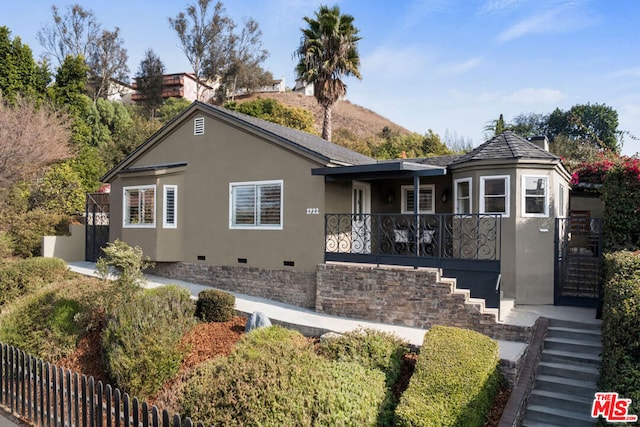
(383, 170)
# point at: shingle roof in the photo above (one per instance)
(438, 160)
(506, 146)
(316, 145)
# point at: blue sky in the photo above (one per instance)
(446, 65)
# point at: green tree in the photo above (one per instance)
(150, 82)
(19, 73)
(271, 110)
(327, 53)
(60, 190)
(530, 124)
(171, 108)
(128, 139)
(594, 124)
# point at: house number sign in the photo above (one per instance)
(313, 211)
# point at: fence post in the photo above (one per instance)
(69, 391)
(76, 400)
(92, 403)
(47, 392)
(154, 416)
(145, 414)
(126, 410)
(107, 397)
(165, 418)
(116, 406)
(98, 404)
(54, 386)
(61, 387)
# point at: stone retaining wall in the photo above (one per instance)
(404, 296)
(291, 287)
(388, 294)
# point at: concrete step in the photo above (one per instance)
(595, 325)
(550, 416)
(571, 386)
(566, 402)
(574, 333)
(573, 345)
(566, 370)
(531, 423)
(570, 357)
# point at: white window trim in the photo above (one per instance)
(124, 206)
(560, 211)
(455, 194)
(507, 200)
(403, 191)
(256, 227)
(524, 197)
(165, 224)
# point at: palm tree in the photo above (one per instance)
(327, 53)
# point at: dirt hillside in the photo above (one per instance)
(358, 120)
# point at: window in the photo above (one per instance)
(140, 206)
(169, 214)
(198, 126)
(561, 208)
(462, 195)
(534, 196)
(426, 203)
(256, 205)
(494, 195)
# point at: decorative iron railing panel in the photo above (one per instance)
(469, 237)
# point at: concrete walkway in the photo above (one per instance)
(317, 323)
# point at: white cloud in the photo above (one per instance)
(531, 96)
(552, 17)
(463, 67)
(627, 72)
(498, 6)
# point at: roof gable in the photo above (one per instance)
(319, 149)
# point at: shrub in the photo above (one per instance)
(43, 324)
(620, 370)
(454, 382)
(27, 230)
(141, 343)
(26, 275)
(274, 378)
(214, 305)
(371, 348)
(6, 245)
(127, 263)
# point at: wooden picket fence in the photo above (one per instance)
(51, 396)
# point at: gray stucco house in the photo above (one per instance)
(227, 194)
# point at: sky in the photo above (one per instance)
(452, 66)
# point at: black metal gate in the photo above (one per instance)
(97, 225)
(577, 261)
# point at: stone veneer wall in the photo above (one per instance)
(404, 296)
(388, 294)
(291, 287)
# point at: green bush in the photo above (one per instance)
(27, 230)
(6, 246)
(371, 348)
(25, 275)
(454, 382)
(620, 370)
(214, 305)
(128, 264)
(141, 343)
(43, 324)
(274, 378)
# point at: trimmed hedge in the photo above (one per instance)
(141, 343)
(454, 382)
(274, 378)
(26, 275)
(620, 370)
(214, 305)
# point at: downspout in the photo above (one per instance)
(416, 213)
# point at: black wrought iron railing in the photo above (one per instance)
(450, 236)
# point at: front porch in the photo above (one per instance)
(465, 247)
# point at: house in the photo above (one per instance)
(304, 88)
(223, 198)
(183, 85)
(275, 86)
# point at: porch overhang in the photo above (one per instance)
(380, 170)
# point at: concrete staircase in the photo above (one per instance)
(567, 376)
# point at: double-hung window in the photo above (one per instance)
(256, 205)
(535, 201)
(494, 195)
(170, 212)
(425, 202)
(139, 206)
(462, 196)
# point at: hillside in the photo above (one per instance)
(357, 120)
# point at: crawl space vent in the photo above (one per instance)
(198, 126)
